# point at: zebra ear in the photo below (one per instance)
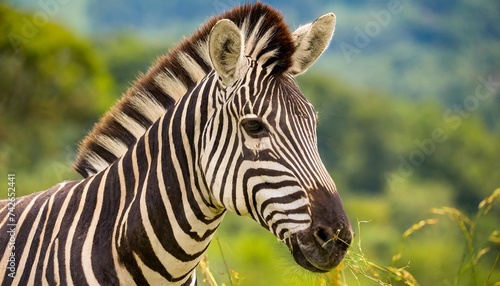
(225, 46)
(311, 41)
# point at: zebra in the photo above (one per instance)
(218, 123)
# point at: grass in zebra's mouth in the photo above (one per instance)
(358, 267)
(355, 263)
(358, 264)
(336, 237)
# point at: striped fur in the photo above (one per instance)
(266, 35)
(149, 215)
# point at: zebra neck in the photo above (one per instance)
(169, 218)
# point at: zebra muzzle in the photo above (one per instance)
(321, 248)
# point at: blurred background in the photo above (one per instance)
(409, 108)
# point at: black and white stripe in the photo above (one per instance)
(228, 130)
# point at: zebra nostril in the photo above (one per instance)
(325, 235)
(321, 235)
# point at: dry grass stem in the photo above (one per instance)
(208, 278)
(486, 204)
(419, 225)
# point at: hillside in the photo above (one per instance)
(414, 49)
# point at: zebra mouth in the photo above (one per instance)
(316, 257)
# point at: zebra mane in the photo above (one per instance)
(173, 74)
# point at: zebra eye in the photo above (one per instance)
(253, 127)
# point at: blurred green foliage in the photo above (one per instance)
(372, 142)
(393, 159)
(128, 55)
(53, 87)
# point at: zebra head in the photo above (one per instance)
(260, 155)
